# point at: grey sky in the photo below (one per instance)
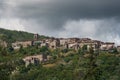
(98, 19)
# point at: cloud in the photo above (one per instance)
(98, 19)
(102, 29)
(12, 24)
(69, 9)
(80, 28)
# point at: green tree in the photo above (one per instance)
(84, 48)
(80, 52)
(5, 70)
(44, 49)
(90, 75)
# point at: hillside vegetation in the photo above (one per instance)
(13, 35)
(75, 66)
(64, 64)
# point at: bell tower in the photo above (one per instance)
(35, 36)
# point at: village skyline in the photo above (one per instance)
(109, 41)
(67, 43)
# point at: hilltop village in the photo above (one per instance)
(67, 43)
(58, 59)
(60, 43)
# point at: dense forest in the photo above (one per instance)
(65, 64)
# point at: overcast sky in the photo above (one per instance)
(96, 19)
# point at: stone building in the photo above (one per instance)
(24, 44)
(118, 48)
(3, 43)
(63, 41)
(107, 46)
(73, 40)
(54, 44)
(36, 59)
(90, 43)
(36, 36)
(74, 46)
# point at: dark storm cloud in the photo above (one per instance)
(1, 6)
(94, 18)
(54, 13)
(70, 9)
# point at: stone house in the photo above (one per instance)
(36, 59)
(74, 46)
(90, 43)
(67, 42)
(85, 39)
(73, 40)
(63, 41)
(107, 46)
(118, 48)
(66, 46)
(24, 44)
(54, 44)
(3, 43)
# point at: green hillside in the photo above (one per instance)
(13, 35)
(62, 64)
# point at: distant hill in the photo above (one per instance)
(13, 35)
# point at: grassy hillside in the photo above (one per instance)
(12, 35)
